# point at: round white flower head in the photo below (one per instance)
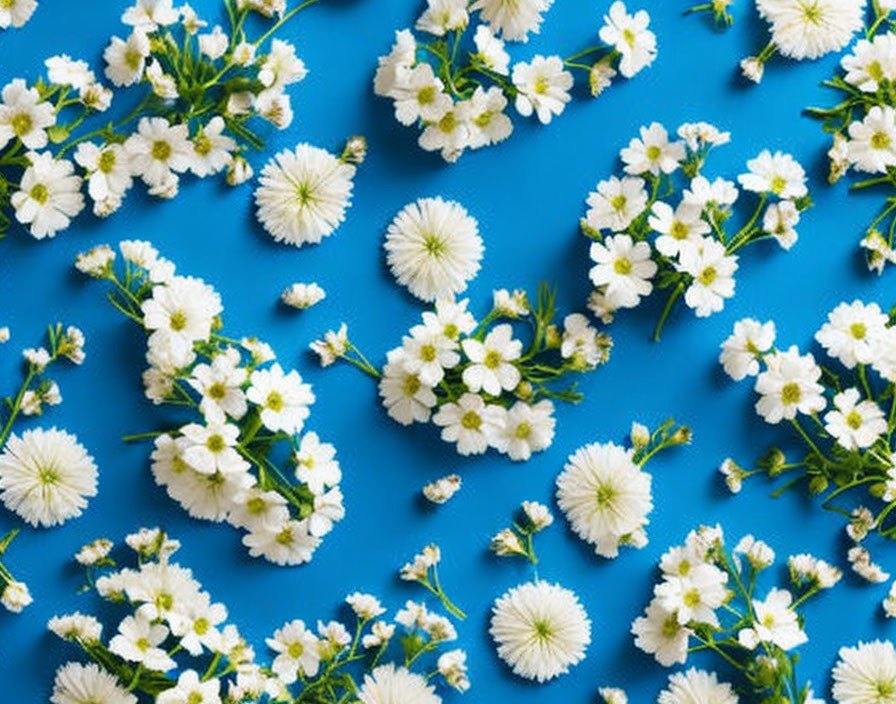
(653, 152)
(872, 140)
(302, 295)
(283, 398)
(684, 224)
(471, 423)
(514, 20)
(789, 385)
(778, 173)
(866, 674)
(23, 116)
(807, 30)
(527, 428)
(615, 203)
(388, 684)
(696, 686)
(543, 86)
(871, 62)
(605, 496)
(303, 194)
(433, 247)
(46, 476)
(712, 270)
(742, 350)
(541, 630)
(852, 331)
(15, 13)
(158, 151)
(658, 632)
(78, 684)
(290, 544)
(855, 424)
(623, 268)
(49, 195)
(15, 596)
(492, 360)
(628, 34)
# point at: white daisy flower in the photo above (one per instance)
(623, 268)
(76, 684)
(76, 625)
(281, 66)
(490, 50)
(388, 684)
(442, 16)
(24, 116)
(220, 384)
(779, 220)
(126, 60)
(613, 695)
(871, 62)
(696, 134)
(804, 29)
(433, 247)
(696, 595)
(49, 195)
(428, 354)
(860, 561)
(789, 386)
(394, 68)
(543, 86)
(190, 688)
(605, 496)
(65, 71)
(452, 666)
(46, 476)
(712, 270)
(149, 14)
(582, 343)
(158, 150)
(628, 34)
(15, 13)
(745, 346)
(292, 544)
(421, 97)
(450, 134)
(855, 424)
(316, 464)
(541, 630)
(297, 652)
(684, 224)
(326, 511)
(696, 686)
(653, 152)
(213, 44)
(283, 399)
(486, 122)
(720, 192)
(93, 552)
(15, 596)
(866, 674)
(406, 398)
(872, 141)
(527, 428)
(492, 368)
(616, 203)
(514, 20)
(806, 568)
(212, 150)
(212, 448)
(303, 194)
(181, 312)
(884, 361)
(452, 319)
(138, 640)
(851, 333)
(302, 295)
(470, 423)
(659, 633)
(365, 606)
(778, 173)
(776, 621)
(108, 170)
(258, 510)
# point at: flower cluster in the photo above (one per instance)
(843, 415)
(540, 629)
(46, 475)
(664, 225)
(14, 594)
(174, 643)
(424, 570)
(457, 82)
(707, 601)
(605, 493)
(863, 126)
(16, 13)
(201, 88)
(476, 381)
(231, 462)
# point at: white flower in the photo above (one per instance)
(212, 448)
(95, 261)
(211, 148)
(712, 270)
(450, 134)
(76, 625)
(96, 97)
(126, 60)
(471, 423)
(380, 634)
(303, 194)
(541, 630)
(149, 14)
(420, 96)
(452, 666)
(180, 313)
(93, 552)
(138, 641)
(485, 121)
(65, 71)
(789, 385)
(46, 476)
(752, 68)
(514, 20)
(490, 50)
(860, 560)
(158, 149)
(15, 596)
(4, 334)
(615, 203)
(291, 544)
(778, 173)
(163, 84)
(16, 13)
(659, 632)
(283, 398)
(543, 86)
(885, 355)
(694, 596)
(855, 424)
(805, 567)
(776, 621)
(628, 34)
(613, 695)
(580, 342)
(538, 515)
(807, 30)
(526, 429)
(871, 62)
(302, 295)
(257, 510)
(623, 268)
(889, 603)
(108, 169)
(213, 44)
(653, 152)
(744, 348)
(779, 221)
(406, 398)
(388, 684)
(333, 345)
(507, 542)
(878, 251)
(365, 606)
(275, 107)
(872, 141)
(24, 116)
(604, 495)
(758, 553)
(866, 674)
(77, 684)
(433, 247)
(281, 67)
(851, 332)
(190, 689)
(697, 134)
(676, 227)
(297, 652)
(49, 195)
(696, 687)
(393, 69)
(441, 490)
(492, 368)
(442, 16)
(428, 354)
(720, 192)
(316, 465)
(220, 385)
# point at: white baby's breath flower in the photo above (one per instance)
(441, 490)
(302, 296)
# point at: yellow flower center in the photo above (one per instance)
(880, 140)
(523, 431)
(215, 443)
(426, 95)
(202, 145)
(691, 598)
(177, 320)
(21, 124)
(106, 162)
(411, 385)
(295, 650)
(707, 276)
(790, 393)
(622, 266)
(854, 419)
(39, 193)
(678, 230)
(471, 420)
(428, 353)
(161, 150)
(618, 202)
(778, 184)
(132, 59)
(448, 122)
(858, 330)
(274, 401)
(654, 152)
(541, 85)
(492, 359)
(217, 391)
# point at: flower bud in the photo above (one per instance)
(355, 150)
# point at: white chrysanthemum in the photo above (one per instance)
(606, 497)
(433, 247)
(866, 674)
(15, 13)
(88, 684)
(541, 630)
(696, 687)
(807, 29)
(49, 195)
(388, 684)
(303, 194)
(46, 476)
(513, 19)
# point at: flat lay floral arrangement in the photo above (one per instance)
(548, 487)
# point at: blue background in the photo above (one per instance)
(527, 195)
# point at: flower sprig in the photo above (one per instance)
(643, 239)
(14, 594)
(844, 415)
(475, 380)
(233, 459)
(863, 128)
(424, 570)
(201, 91)
(456, 88)
(708, 600)
(722, 18)
(518, 539)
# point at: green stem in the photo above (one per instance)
(283, 20)
(676, 292)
